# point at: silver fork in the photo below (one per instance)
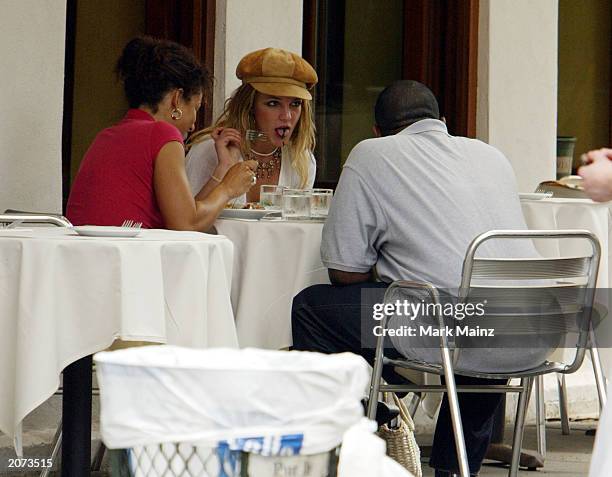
(253, 135)
(10, 225)
(542, 190)
(131, 224)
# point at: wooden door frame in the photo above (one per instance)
(69, 60)
(441, 51)
(190, 23)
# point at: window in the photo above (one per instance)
(360, 46)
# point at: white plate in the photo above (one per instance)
(535, 195)
(255, 214)
(104, 231)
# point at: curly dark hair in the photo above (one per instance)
(150, 67)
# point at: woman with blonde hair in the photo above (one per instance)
(274, 105)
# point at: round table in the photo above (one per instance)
(273, 262)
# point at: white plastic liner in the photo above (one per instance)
(363, 454)
(260, 401)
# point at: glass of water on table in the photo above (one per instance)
(296, 204)
(270, 197)
(320, 202)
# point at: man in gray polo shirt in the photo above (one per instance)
(407, 205)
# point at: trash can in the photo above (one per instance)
(227, 413)
(565, 155)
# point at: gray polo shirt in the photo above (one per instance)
(411, 203)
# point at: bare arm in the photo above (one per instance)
(338, 277)
(598, 175)
(227, 146)
(178, 208)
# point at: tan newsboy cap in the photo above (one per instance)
(277, 72)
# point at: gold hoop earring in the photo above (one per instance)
(176, 114)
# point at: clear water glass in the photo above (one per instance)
(320, 202)
(270, 197)
(296, 204)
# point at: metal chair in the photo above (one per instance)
(529, 299)
(15, 217)
(563, 402)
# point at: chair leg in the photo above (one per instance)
(563, 412)
(96, 464)
(376, 377)
(600, 380)
(519, 425)
(453, 401)
(56, 446)
(540, 415)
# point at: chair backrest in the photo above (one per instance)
(534, 303)
(34, 218)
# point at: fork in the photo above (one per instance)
(542, 190)
(11, 225)
(131, 224)
(253, 135)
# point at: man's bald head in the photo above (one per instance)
(403, 103)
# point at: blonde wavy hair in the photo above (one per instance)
(238, 114)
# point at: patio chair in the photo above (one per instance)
(538, 304)
(563, 401)
(19, 217)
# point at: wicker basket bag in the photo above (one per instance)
(401, 444)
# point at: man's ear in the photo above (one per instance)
(376, 130)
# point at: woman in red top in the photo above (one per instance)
(135, 170)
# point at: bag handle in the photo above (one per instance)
(403, 409)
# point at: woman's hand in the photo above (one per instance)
(598, 175)
(227, 144)
(239, 178)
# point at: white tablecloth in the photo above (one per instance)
(558, 214)
(273, 262)
(63, 297)
(595, 217)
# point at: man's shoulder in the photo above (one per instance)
(364, 151)
(478, 144)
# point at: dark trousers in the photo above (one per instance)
(327, 319)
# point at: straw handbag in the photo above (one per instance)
(401, 444)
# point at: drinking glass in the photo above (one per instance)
(296, 204)
(270, 197)
(320, 202)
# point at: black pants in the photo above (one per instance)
(327, 319)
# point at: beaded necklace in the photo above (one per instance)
(267, 169)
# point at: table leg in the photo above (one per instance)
(76, 419)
